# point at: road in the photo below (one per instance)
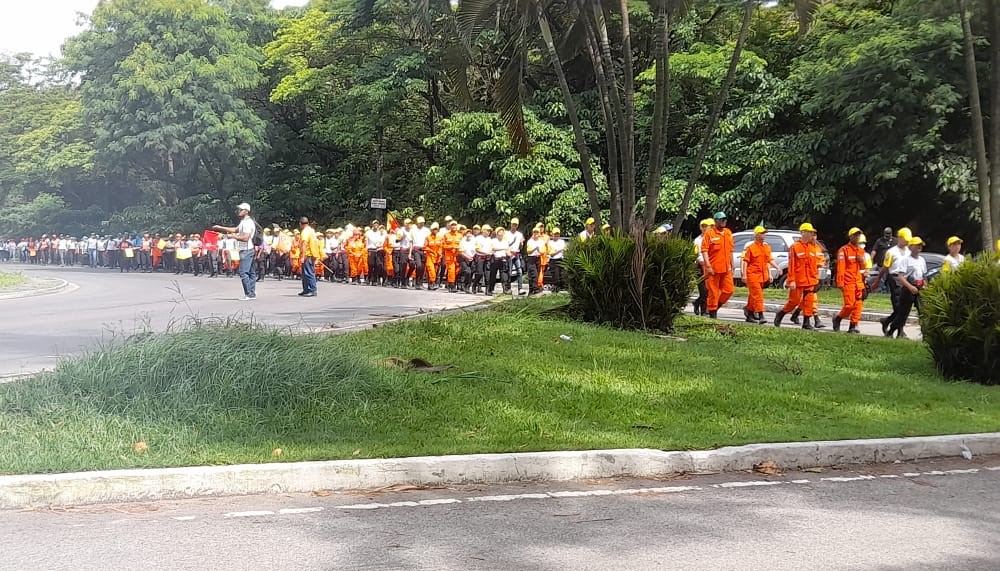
(927, 515)
(106, 304)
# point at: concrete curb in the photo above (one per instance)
(17, 492)
(63, 285)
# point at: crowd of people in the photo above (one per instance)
(899, 265)
(476, 259)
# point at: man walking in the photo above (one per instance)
(756, 265)
(717, 248)
(894, 263)
(804, 259)
(245, 234)
(311, 251)
(851, 264)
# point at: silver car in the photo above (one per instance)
(780, 242)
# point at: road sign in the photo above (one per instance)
(378, 203)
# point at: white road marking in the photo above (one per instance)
(249, 514)
(603, 492)
(296, 511)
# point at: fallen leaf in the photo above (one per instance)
(356, 452)
(276, 452)
(140, 447)
(321, 493)
(767, 467)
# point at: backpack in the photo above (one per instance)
(258, 238)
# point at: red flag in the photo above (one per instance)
(391, 222)
(210, 237)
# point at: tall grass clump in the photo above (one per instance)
(614, 282)
(209, 369)
(960, 321)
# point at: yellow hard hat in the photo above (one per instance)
(806, 227)
(407, 221)
(267, 230)
(905, 234)
(487, 227)
(515, 221)
(555, 230)
(862, 239)
(434, 226)
(659, 230)
(476, 227)
(707, 222)
(760, 230)
(605, 226)
(589, 221)
(853, 231)
(954, 240)
(329, 230)
(447, 218)
(420, 220)
(915, 241)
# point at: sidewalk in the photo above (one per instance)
(822, 310)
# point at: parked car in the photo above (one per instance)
(781, 241)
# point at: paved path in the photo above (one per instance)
(39, 330)
(733, 311)
(928, 515)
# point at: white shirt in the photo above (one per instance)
(247, 227)
(515, 240)
(63, 243)
(500, 247)
(468, 246)
(484, 245)
(92, 243)
(914, 269)
(419, 236)
(697, 248)
(374, 239)
(584, 236)
(535, 247)
(895, 257)
(557, 247)
(951, 263)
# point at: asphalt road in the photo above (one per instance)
(931, 515)
(107, 305)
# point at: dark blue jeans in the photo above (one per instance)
(308, 276)
(247, 273)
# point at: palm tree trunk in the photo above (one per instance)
(601, 30)
(610, 132)
(661, 114)
(993, 13)
(978, 136)
(574, 118)
(628, 135)
(713, 119)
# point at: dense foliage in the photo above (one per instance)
(165, 113)
(960, 321)
(612, 281)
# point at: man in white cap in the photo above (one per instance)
(244, 233)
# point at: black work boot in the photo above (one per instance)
(713, 314)
(778, 317)
(807, 324)
(760, 318)
(749, 316)
(817, 324)
(795, 316)
(853, 329)
(836, 322)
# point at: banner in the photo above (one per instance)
(183, 253)
(391, 222)
(210, 237)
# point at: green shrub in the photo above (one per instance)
(607, 284)
(960, 321)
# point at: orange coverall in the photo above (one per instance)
(388, 246)
(433, 251)
(717, 248)
(804, 261)
(357, 255)
(851, 281)
(758, 258)
(452, 243)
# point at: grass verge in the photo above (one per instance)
(827, 297)
(214, 396)
(8, 280)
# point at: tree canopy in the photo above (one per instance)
(163, 113)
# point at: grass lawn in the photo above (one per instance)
(828, 297)
(11, 280)
(516, 386)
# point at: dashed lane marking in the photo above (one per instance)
(600, 493)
